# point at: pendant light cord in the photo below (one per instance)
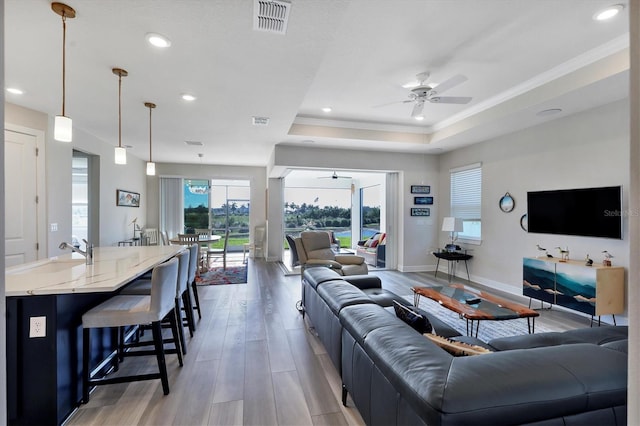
(150, 108)
(64, 61)
(120, 110)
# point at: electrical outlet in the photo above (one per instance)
(37, 327)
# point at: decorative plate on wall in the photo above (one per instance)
(507, 203)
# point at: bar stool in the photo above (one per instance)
(142, 287)
(122, 311)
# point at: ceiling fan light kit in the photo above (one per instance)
(63, 126)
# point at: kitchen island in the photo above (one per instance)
(45, 302)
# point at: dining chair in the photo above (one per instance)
(257, 247)
(165, 238)
(189, 239)
(219, 254)
(151, 234)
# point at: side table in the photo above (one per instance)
(452, 256)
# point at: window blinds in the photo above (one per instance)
(466, 192)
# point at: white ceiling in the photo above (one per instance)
(519, 56)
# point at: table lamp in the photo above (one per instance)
(452, 225)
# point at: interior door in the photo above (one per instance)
(21, 209)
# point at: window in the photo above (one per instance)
(466, 199)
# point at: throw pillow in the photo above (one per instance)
(456, 348)
(374, 244)
(417, 321)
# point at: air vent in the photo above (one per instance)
(271, 16)
(194, 143)
(260, 121)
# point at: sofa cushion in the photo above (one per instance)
(418, 322)
(593, 335)
(360, 320)
(319, 274)
(364, 281)
(337, 294)
(618, 345)
(381, 296)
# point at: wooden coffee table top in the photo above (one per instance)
(454, 297)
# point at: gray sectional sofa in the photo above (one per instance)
(397, 376)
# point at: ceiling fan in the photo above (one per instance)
(424, 92)
(335, 176)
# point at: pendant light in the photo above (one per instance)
(120, 153)
(151, 166)
(62, 127)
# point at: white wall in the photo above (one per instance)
(588, 149)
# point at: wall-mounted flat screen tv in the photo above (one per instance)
(589, 212)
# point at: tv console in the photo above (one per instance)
(595, 290)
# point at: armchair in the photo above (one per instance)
(373, 249)
(314, 249)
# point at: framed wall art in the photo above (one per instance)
(420, 211)
(422, 201)
(127, 198)
(420, 189)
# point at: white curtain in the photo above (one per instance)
(171, 206)
(392, 218)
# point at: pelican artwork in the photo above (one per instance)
(607, 258)
(543, 249)
(564, 253)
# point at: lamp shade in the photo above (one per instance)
(62, 129)
(120, 155)
(452, 224)
(151, 169)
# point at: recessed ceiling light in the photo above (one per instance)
(15, 91)
(158, 40)
(326, 109)
(419, 117)
(188, 97)
(548, 112)
(608, 13)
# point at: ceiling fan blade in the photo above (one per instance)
(450, 99)
(417, 109)
(448, 84)
(391, 103)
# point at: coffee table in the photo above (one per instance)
(475, 305)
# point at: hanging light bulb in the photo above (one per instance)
(62, 126)
(121, 152)
(151, 166)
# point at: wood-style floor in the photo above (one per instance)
(252, 361)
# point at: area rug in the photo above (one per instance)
(219, 276)
(488, 329)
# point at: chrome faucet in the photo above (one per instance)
(88, 253)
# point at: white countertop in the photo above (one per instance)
(112, 268)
